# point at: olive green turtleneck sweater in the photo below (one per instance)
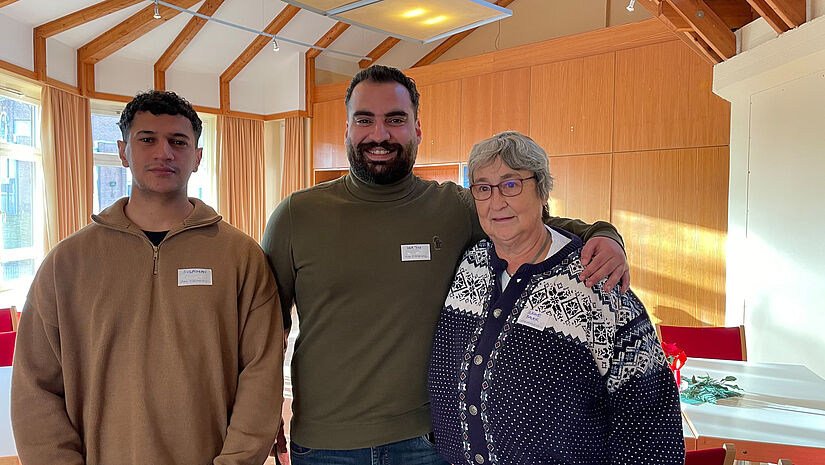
(367, 318)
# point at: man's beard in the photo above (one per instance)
(381, 172)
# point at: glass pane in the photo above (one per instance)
(17, 269)
(18, 122)
(17, 203)
(111, 183)
(105, 133)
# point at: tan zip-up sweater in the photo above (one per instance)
(117, 363)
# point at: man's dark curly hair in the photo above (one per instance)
(158, 102)
(381, 74)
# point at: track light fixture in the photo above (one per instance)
(630, 7)
(275, 47)
(157, 12)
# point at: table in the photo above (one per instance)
(780, 415)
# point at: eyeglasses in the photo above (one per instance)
(508, 188)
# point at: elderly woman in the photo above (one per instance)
(529, 365)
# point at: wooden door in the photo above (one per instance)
(328, 129)
(440, 115)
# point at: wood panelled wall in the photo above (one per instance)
(635, 136)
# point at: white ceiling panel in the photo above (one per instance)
(151, 45)
(307, 27)
(37, 12)
(405, 54)
(357, 41)
(84, 34)
(218, 45)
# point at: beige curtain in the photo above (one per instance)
(293, 176)
(241, 198)
(66, 137)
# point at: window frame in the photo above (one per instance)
(31, 154)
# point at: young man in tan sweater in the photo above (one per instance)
(152, 335)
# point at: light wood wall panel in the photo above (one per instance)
(581, 187)
(671, 208)
(328, 133)
(664, 100)
(571, 105)
(441, 173)
(492, 103)
(440, 115)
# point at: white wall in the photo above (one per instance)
(199, 88)
(16, 40)
(775, 251)
(122, 76)
(61, 62)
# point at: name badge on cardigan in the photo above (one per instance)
(533, 318)
(415, 252)
(194, 277)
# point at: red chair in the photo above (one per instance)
(719, 456)
(8, 319)
(707, 341)
(7, 347)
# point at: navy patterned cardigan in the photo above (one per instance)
(549, 371)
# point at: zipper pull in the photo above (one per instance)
(155, 267)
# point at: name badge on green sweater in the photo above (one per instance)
(194, 277)
(415, 252)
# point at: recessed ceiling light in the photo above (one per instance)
(435, 20)
(414, 13)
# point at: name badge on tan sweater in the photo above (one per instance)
(194, 277)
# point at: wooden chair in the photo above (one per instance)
(718, 456)
(724, 343)
(8, 319)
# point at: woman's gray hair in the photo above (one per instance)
(517, 151)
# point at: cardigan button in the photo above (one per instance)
(473, 410)
(479, 459)
(497, 312)
(478, 359)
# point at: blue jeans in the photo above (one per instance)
(415, 451)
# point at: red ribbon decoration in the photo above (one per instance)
(676, 359)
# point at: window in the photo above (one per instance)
(112, 181)
(21, 193)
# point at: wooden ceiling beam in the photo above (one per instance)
(328, 38)
(450, 42)
(771, 17)
(127, 31)
(6, 2)
(735, 13)
(183, 39)
(673, 19)
(699, 46)
(791, 11)
(708, 25)
(259, 43)
(80, 17)
(379, 51)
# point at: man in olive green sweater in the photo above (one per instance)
(151, 336)
(368, 260)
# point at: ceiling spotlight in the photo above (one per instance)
(275, 47)
(630, 7)
(157, 12)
